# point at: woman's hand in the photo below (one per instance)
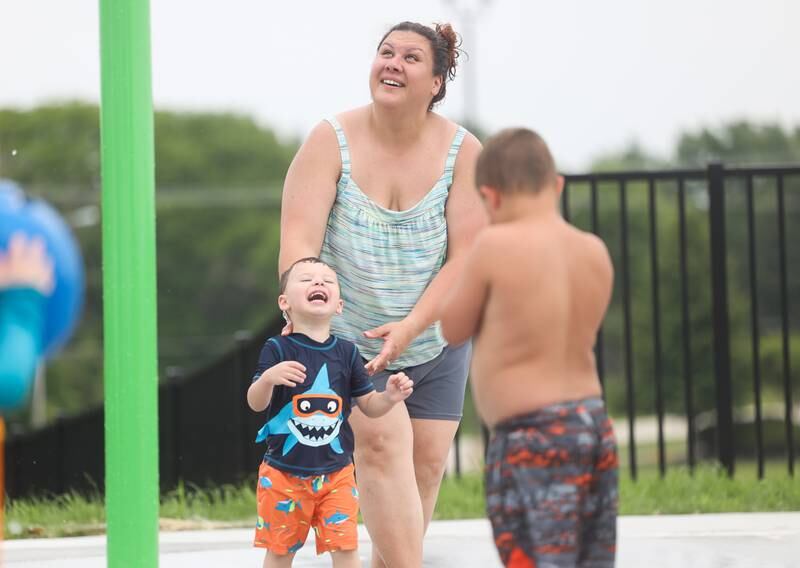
(289, 327)
(396, 336)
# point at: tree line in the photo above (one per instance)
(218, 178)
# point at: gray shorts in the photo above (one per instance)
(438, 384)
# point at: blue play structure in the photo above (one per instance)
(34, 217)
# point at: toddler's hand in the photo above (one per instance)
(26, 263)
(288, 373)
(399, 387)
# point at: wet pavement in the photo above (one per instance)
(754, 540)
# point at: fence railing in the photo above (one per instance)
(676, 340)
(717, 187)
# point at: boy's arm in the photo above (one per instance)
(463, 307)
(374, 404)
(289, 373)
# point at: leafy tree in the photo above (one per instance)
(218, 178)
(739, 143)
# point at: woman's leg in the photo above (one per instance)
(387, 487)
(432, 442)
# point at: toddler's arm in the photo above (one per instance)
(374, 404)
(289, 373)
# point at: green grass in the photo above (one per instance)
(709, 490)
(227, 503)
(70, 514)
(74, 514)
(460, 498)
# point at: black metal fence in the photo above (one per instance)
(685, 249)
(721, 195)
(206, 433)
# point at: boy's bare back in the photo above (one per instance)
(534, 288)
(535, 346)
(546, 287)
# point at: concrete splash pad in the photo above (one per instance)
(763, 540)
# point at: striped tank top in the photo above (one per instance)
(385, 259)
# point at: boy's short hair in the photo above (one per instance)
(285, 276)
(516, 159)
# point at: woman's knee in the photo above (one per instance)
(432, 443)
(429, 468)
(383, 442)
(380, 450)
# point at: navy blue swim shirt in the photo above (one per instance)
(306, 430)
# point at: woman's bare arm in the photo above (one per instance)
(308, 195)
(463, 307)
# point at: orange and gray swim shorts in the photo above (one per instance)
(289, 505)
(551, 487)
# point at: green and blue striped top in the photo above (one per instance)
(385, 259)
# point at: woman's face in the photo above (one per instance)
(402, 72)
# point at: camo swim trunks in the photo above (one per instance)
(288, 505)
(551, 487)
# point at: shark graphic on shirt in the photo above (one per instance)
(312, 418)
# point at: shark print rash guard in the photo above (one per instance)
(306, 430)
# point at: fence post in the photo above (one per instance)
(457, 448)
(722, 344)
(171, 454)
(59, 439)
(241, 382)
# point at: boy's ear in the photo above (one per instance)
(283, 302)
(491, 197)
(559, 184)
(340, 307)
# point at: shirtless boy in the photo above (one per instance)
(533, 296)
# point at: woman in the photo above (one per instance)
(385, 194)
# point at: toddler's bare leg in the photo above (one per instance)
(272, 560)
(346, 559)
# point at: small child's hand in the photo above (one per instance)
(288, 373)
(399, 387)
(26, 263)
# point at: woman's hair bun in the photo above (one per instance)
(453, 42)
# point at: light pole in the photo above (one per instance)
(466, 12)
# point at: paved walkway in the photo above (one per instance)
(763, 540)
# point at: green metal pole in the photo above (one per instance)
(129, 285)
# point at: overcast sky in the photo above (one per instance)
(590, 76)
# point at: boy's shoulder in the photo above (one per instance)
(298, 341)
(498, 238)
(593, 248)
(345, 343)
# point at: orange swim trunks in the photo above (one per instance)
(289, 505)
